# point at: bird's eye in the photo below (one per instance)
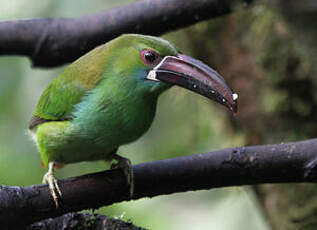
(150, 57)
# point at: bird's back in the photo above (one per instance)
(59, 98)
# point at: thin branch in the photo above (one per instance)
(53, 42)
(291, 162)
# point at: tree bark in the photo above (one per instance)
(82, 221)
(52, 42)
(291, 162)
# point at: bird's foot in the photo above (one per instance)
(49, 178)
(125, 164)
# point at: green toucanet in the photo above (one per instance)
(108, 98)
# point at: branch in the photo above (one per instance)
(53, 42)
(75, 221)
(291, 162)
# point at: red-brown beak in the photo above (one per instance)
(196, 76)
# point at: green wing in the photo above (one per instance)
(58, 100)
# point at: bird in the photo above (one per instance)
(108, 97)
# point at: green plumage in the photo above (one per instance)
(108, 98)
(99, 102)
(59, 98)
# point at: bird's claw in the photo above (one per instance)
(49, 178)
(126, 166)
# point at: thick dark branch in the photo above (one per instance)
(291, 162)
(52, 42)
(75, 221)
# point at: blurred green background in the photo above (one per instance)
(252, 50)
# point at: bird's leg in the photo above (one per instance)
(126, 166)
(49, 178)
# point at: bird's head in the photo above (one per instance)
(155, 65)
